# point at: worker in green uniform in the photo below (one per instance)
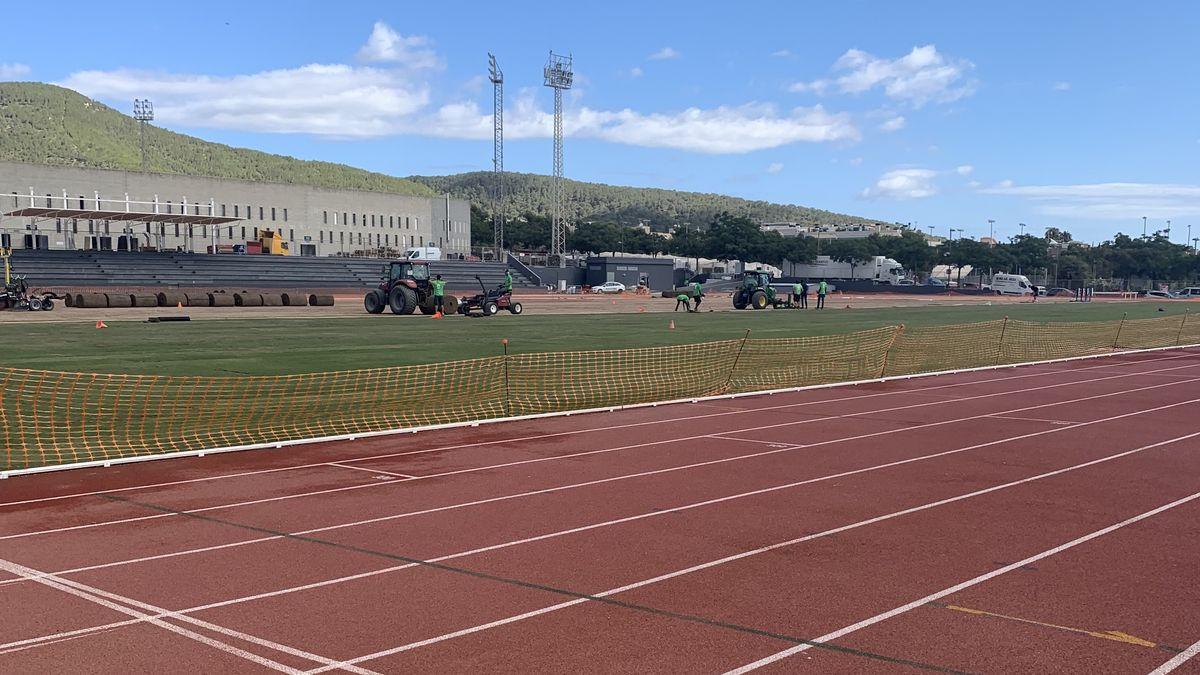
(698, 293)
(822, 289)
(682, 299)
(507, 281)
(796, 294)
(439, 295)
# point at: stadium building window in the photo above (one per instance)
(243, 232)
(324, 217)
(231, 233)
(272, 214)
(58, 225)
(47, 201)
(261, 214)
(321, 236)
(291, 235)
(344, 219)
(222, 210)
(285, 215)
(392, 221)
(169, 207)
(256, 233)
(372, 220)
(355, 219)
(81, 207)
(235, 211)
(176, 229)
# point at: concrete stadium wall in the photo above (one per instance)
(315, 221)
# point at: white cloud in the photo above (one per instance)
(922, 76)
(1062, 86)
(1112, 201)
(13, 71)
(856, 161)
(364, 101)
(385, 45)
(782, 53)
(775, 167)
(664, 54)
(973, 183)
(893, 124)
(1005, 184)
(636, 71)
(903, 184)
(964, 170)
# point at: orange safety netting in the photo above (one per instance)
(49, 418)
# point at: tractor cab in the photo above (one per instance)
(406, 270)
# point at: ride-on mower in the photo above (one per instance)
(756, 292)
(488, 303)
(406, 288)
(14, 294)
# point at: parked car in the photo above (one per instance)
(935, 281)
(1052, 292)
(609, 287)
(1190, 292)
(1161, 295)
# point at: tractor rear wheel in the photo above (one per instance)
(403, 300)
(490, 308)
(516, 308)
(758, 300)
(47, 304)
(35, 304)
(374, 301)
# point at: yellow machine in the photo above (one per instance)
(6, 253)
(272, 243)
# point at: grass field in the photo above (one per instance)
(260, 347)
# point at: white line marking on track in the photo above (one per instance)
(1178, 660)
(791, 542)
(551, 535)
(374, 471)
(1031, 419)
(773, 444)
(109, 601)
(600, 481)
(590, 430)
(443, 474)
(842, 632)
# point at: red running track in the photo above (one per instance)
(1025, 519)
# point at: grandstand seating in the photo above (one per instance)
(47, 268)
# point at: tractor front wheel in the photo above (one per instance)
(739, 301)
(47, 304)
(490, 308)
(403, 300)
(516, 308)
(374, 301)
(758, 300)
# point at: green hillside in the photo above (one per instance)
(45, 124)
(661, 209)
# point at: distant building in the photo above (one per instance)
(832, 231)
(63, 207)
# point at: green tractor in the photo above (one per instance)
(756, 292)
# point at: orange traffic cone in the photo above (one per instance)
(641, 308)
(437, 315)
(179, 305)
(614, 302)
(671, 325)
(101, 324)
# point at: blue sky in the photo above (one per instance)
(945, 114)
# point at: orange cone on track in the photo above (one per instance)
(437, 315)
(101, 324)
(179, 305)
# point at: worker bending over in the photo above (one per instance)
(682, 299)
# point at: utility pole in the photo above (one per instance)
(992, 230)
(1143, 227)
(497, 77)
(143, 111)
(559, 75)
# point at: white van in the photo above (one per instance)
(423, 253)
(1011, 284)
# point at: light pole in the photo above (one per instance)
(1143, 226)
(991, 230)
(1168, 230)
(1022, 226)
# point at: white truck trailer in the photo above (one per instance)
(879, 269)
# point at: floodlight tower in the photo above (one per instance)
(143, 111)
(497, 77)
(559, 76)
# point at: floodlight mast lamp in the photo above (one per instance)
(143, 111)
(559, 75)
(497, 77)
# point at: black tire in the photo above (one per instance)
(516, 308)
(374, 302)
(35, 304)
(403, 300)
(758, 300)
(47, 304)
(739, 301)
(490, 308)
(450, 303)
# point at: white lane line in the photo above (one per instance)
(747, 554)
(1178, 660)
(551, 458)
(521, 439)
(575, 530)
(96, 596)
(611, 479)
(842, 632)
(1031, 419)
(773, 444)
(374, 471)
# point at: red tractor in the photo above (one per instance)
(406, 288)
